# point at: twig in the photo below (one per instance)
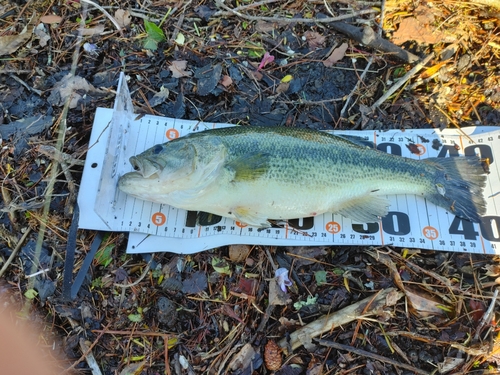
(61, 127)
(401, 82)
(270, 258)
(490, 3)
(94, 367)
(61, 157)
(367, 37)
(111, 18)
(381, 23)
(87, 351)
(19, 80)
(143, 275)
(311, 102)
(230, 11)
(356, 87)
(66, 161)
(365, 353)
(338, 318)
(254, 5)
(486, 317)
(14, 252)
(180, 21)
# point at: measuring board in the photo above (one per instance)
(412, 222)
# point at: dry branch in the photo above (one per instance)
(339, 318)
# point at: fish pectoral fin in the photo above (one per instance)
(245, 216)
(249, 167)
(367, 209)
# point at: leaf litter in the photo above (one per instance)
(225, 310)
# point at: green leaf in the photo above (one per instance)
(256, 53)
(181, 39)
(136, 318)
(320, 277)
(104, 255)
(155, 36)
(154, 32)
(151, 44)
(221, 266)
(30, 293)
(96, 283)
(310, 301)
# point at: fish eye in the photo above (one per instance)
(157, 149)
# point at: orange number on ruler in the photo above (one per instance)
(421, 149)
(430, 232)
(332, 227)
(172, 134)
(158, 219)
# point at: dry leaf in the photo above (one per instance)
(423, 305)
(10, 43)
(418, 28)
(243, 358)
(159, 97)
(265, 27)
(314, 39)
(66, 88)
(133, 368)
(492, 270)
(276, 296)
(238, 253)
(43, 37)
(98, 30)
(123, 17)
(336, 55)
(51, 18)
(306, 255)
(282, 87)
(178, 69)
(226, 81)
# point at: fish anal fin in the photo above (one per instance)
(366, 209)
(245, 215)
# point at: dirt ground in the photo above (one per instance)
(315, 64)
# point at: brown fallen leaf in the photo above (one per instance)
(243, 358)
(98, 30)
(314, 39)
(418, 28)
(336, 55)
(51, 18)
(424, 305)
(123, 17)
(67, 87)
(492, 270)
(178, 69)
(238, 253)
(11, 43)
(226, 81)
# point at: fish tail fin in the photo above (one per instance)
(459, 183)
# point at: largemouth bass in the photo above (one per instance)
(253, 174)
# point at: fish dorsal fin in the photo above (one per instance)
(249, 166)
(366, 209)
